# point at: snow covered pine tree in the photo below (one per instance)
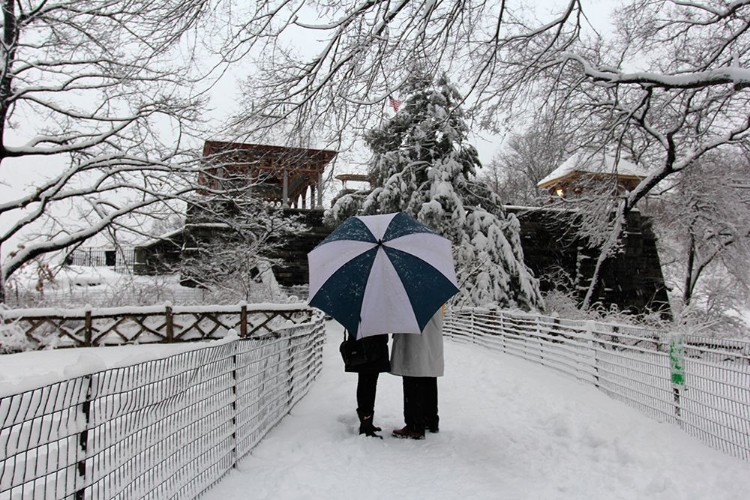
(423, 165)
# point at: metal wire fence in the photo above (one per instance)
(168, 428)
(701, 384)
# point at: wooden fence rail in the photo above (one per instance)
(45, 328)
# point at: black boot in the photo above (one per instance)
(365, 425)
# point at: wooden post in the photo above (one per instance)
(285, 190)
(243, 321)
(169, 321)
(320, 190)
(87, 334)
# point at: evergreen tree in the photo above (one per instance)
(423, 165)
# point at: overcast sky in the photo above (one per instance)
(24, 174)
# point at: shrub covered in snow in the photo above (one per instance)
(12, 338)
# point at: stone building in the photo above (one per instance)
(287, 178)
(632, 279)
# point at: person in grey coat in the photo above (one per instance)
(419, 360)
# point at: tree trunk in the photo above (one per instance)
(614, 236)
(687, 293)
(2, 278)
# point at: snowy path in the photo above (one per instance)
(509, 430)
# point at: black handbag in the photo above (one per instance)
(353, 352)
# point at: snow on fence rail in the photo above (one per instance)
(701, 384)
(148, 324)
(168, 428)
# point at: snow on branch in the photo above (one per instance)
(738, 77)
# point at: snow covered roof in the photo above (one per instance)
(585, 162)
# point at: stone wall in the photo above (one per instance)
(632, 280)
(294, 252)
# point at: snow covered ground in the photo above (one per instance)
(510, 429)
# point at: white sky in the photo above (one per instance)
(23, 174)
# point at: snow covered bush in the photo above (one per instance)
(234, 261)
(423, 165)
(13, 339)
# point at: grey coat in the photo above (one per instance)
(419, 355)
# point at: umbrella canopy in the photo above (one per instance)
(380, 274)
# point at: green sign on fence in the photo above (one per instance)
(676, 360)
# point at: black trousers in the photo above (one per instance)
(367, 384)
(420, 403)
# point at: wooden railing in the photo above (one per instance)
(46, 328)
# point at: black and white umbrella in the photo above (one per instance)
(382, 274)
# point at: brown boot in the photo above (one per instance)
(407, 433)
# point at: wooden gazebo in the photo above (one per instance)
(585, 172)
(276, 174)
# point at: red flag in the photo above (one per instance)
(394, 104)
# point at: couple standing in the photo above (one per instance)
(418, 359)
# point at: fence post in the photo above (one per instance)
(471, 326)
(235, 345)
(541, 339)
(503, 335)
(676, 364)
(290, 373)
(589, 332)
(83, 436)
(87, 333)
(243, 320)
(169, 320)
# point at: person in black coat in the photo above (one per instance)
(376, 352)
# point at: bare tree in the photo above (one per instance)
(525, 160)
(703, 220)
(670, 85)
(234, 262)
(93, 94)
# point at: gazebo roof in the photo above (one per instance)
(277, 173)
(308, 159)
(596, 164)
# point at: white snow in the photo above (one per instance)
(596, 164)
(509, 429)
(28, 370)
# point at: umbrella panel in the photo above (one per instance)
(341, 295)
(427, 288)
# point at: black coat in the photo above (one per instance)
(376, 348)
